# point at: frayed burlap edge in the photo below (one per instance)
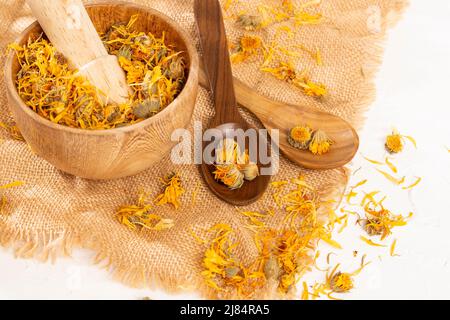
(48, 245)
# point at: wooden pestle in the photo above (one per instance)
(68, 26)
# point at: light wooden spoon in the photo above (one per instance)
(283, 116)
(220, 79)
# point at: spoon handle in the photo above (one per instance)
(69, 28)
(208, 14)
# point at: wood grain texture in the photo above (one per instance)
(115, 153)
(283, 116)
(68, 26)
(220, 79)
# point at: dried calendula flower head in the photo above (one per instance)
(111, 112)
(147, 108)
(394, 142)
(173, 190)
(143, 39)
(320, 143)
(272, 268)
(381, 221)
(176, 68)
(124, 52)
(250, 43)
(247, 47)
(232, 272)
(229, 175)
(138, 216)
(300, 136)
(341, 282)
(248, 22)
(250, 171)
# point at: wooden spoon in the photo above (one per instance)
(218, 69)
(283, 116)
(69, 28)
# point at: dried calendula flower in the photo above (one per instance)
(272, 268)
(147, 108)
(394, 142)
(341, 282)
(337, 282)
(172, 192)
(247, 47)
(13, 131)
(138, 215)
(248, 22)
(125, 52)
(250, 171)
(320, 143)
(380, 221)
(286, 71)
(229, 175)
(300, 136)
(177, 68)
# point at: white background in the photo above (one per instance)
(412, 96)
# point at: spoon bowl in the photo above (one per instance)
(250, 190)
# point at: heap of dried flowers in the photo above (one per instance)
(154, 70)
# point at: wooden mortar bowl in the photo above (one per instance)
(115, 153)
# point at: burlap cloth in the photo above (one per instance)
(55, 212)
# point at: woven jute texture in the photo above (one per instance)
(55, 212)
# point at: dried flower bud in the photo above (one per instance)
(272, 268)
(147, 108)
(249, 23)
(231, 272)
(341, 282)
(229, 175)
(176, 68)
(300, 136)
(143, 39)
(320, 143)
(111, 112)
(394, 142)
(250, 171)
(124, 52)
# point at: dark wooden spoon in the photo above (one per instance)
(218, 71)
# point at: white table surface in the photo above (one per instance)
(412, 85)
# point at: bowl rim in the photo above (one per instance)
(191, 81)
